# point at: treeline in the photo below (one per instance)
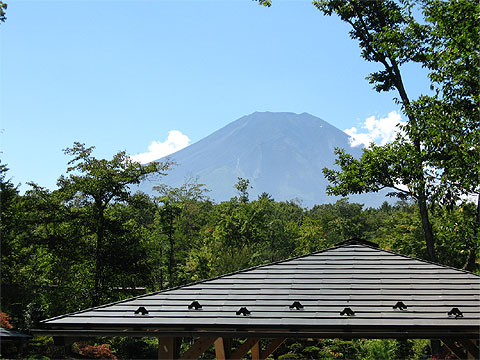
(92, 241)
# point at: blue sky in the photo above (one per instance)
(120, 75)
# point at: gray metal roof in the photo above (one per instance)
(6, 334)
(365, 279)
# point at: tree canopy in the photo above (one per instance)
(95, 183)
(434, 159)
(3, 8)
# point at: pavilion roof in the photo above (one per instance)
(352, 290)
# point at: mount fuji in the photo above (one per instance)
(280, 153)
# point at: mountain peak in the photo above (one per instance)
(281, 153)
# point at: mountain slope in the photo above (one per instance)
(282, 154)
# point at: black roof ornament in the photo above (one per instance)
(347, 311)
(243, 311)
(296, 305)
(141, 310)
(195, 305)
(400, 305)
(455, 312)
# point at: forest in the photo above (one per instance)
(92, 241)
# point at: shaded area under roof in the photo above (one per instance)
(352, 290)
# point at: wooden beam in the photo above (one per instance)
(256, 351)
(198, 348)
(169, 348)
(244, 348)
(473, 352)
(450, 344)
(271, 347)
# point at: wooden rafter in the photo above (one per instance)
(198, 348)
(271, 348)
(457, 351)
(256, 351)
(244, 348)
(472, 350)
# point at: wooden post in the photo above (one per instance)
(168, 348)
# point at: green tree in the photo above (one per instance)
(380, 28)
(242, 187)
(8, 201)
(45, 262)
(95, 183)
(418, 164)
(182, 213)
(453, 58)
(340, 221)
(3, 8)
(190, 191)
(281, 222)
(435, 161)
(168, 214)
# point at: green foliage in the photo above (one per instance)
(377, 349)
(340, 221)
(49, 244)
(41, 348)
(94, 184)
(242, 187)
(266, 3)
(134, 348)
(101, 181)
(3, 8)
(434, 160)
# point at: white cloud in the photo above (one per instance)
(379, 131)
(157, 149)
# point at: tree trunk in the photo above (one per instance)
(172, 246)
(395, 74)
(98, 258)
(422, 199)
(427, 227)
(471, 265)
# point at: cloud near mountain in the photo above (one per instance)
(158, 149)
(379, 131)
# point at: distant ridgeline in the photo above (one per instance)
(282, 154)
